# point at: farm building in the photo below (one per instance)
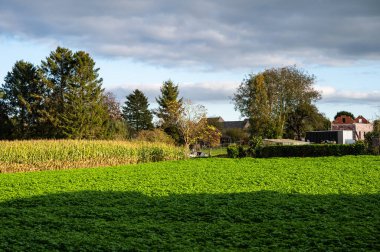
(359, 126)
(232, 131)
(335, 136)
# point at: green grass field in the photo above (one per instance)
(215, 152)
(318, 204)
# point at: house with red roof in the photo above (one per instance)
(360, 126)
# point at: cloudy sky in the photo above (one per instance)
(207, 46)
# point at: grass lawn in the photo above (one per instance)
(215, 152)
(330, 203)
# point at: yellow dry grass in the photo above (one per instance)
(33, 155)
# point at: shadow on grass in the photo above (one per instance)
(95, 220)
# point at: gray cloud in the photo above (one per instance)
(197, 92)
(205, 33)
(332, 95)
(222, 92)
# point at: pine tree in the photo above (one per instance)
(136, 112)
(5, 122)
(84, 112)
(169, 109)
(58, 70)
(24, 100)
(75, 96)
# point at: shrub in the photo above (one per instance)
(370, 139)
(232, 151)
(255, 145)
(241, 152)
(155, 136)
(236, 151)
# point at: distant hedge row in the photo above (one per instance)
(310, 150)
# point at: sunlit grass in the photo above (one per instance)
(32, 155)
(212, 204)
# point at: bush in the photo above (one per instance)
(155, 136)
(232, 151)
(370, 139)
(313, 150)
(255, 145)
(235, 151)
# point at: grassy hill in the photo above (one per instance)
(330, 203)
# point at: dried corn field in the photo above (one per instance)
(34, 155)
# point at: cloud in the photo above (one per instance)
(207, 34)
(333, 95)
(197, 92)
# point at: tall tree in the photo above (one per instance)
(115, 127)
(136, 111)
(286, 88)
(58, 70)
(84, 112)
(305, 117)
(261, 123)
(169, 109)
(5, 122)
(192, 122)
(24, 100)
(76, 107)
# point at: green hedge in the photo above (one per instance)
(236, 151)
(312, 150)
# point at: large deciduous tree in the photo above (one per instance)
(136, 112)
(305, 117)
(115, 127)
(269, 97)
(192, 122)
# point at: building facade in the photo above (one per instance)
(359, 126)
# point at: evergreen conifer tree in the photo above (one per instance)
(84, 112)
(76, 99)
(5, 123)
(58, 70)
(136, 112)
(170, 107)
(24, 100)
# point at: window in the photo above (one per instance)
(344, 120)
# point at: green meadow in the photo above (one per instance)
(210, 204)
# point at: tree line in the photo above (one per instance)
(63, 98)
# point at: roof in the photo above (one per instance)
(215, 119)
(344, 119)
(361, 119)
(236, 124)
